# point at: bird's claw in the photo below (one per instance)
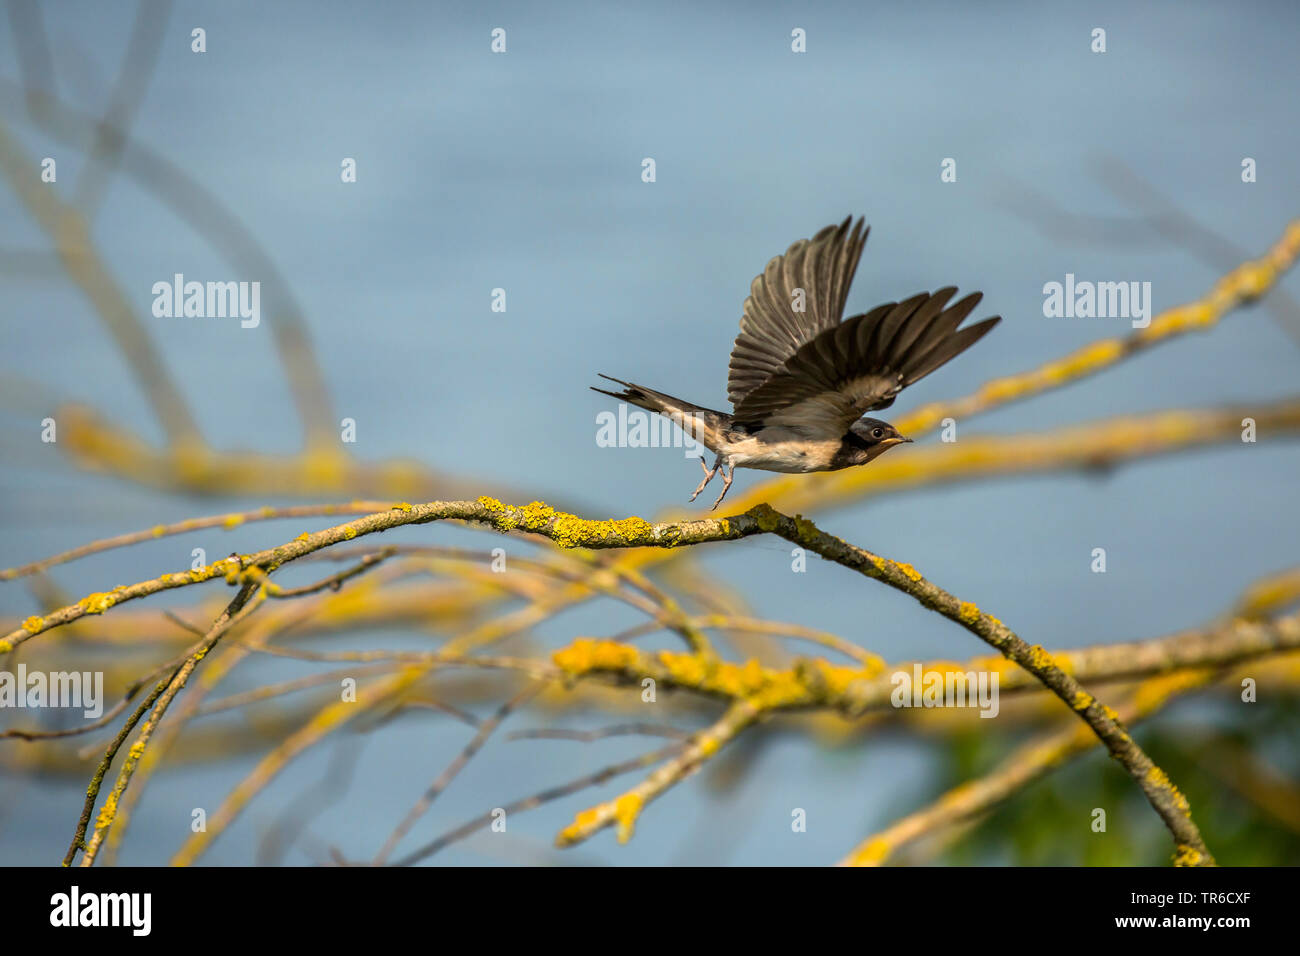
(708, 476)
(726, 484)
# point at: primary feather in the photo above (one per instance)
(770, 330)
(810, 371)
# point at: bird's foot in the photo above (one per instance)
(726, 483)
(708, 476)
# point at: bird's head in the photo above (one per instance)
(874, 438)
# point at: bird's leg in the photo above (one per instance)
(708, 475)
(726, 483)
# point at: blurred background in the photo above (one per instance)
(522, 171)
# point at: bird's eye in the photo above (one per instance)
(877, 433)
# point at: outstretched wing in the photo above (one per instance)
(863, 363)
(771, 331)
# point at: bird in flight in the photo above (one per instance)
(801, 379)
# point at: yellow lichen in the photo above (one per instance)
(503, 518)
(1039, 659)
(585, 655)
(97, 603)
(1160, 779)
(766, 517)
(781, 689)
(582, 824)
(1187, 856)
(910, 572)
(1002, 388)
(807, 531)
(872, 853)
(324, 467)
(1001, 665)
(570, 532)
(837, 679)
(33, 624)
(689, 670)
(750, 677)
(233, 521)
(626, 809)
(536, 514)
(107, 814)
(1084, 360)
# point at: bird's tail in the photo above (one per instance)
(703, 424)
(646, 398)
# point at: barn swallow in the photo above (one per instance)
(801, 376)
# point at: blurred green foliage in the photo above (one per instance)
(1211, 750)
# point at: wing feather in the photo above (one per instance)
(771, 331)
(863, 363)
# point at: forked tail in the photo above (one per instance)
(703, 424)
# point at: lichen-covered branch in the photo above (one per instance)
(1160, 791)
(570, 531)
(1220, 645)
(624, 809)
(1091, 446)
(234, 612)
(1029, 763)
(233, 519)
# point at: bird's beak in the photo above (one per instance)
(901, 438)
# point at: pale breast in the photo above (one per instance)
(778, 452)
